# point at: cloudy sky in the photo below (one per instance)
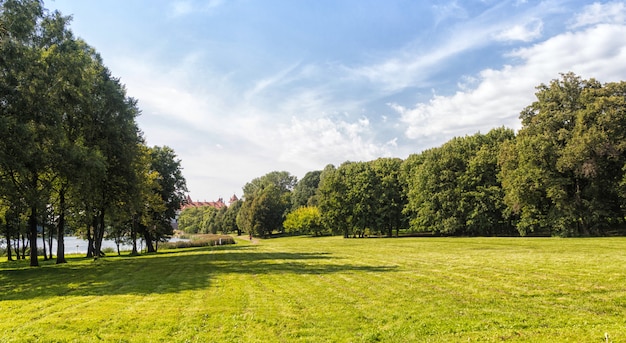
(240, 88)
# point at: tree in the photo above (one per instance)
(267, 200)
(229, 223)
(171, 189)
(562, 173)
(347, 198)
(454, 189)
(389, 196)
(305, 220)
(304, 193)
(30, 117)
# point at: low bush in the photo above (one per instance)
(199, 241)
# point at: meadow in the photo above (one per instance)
(329, 289)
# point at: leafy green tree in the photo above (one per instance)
(390, 198)
(347, 198)
(562, 174)
(267, 200)
(172, 188)
(304, 193)
(30, 117)
(332, 200)
(229, 223)
(305, 220)
(454, 189)
(190, 220)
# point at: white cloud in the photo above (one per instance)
(598, 13)
(500, 95)
(316, 142)
(522, 32)
(185, 7)
(181, 8)
(416, 63)
(448, 10)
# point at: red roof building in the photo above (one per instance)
(215, 204)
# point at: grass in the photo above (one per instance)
(328, 290)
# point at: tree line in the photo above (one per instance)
(72, 156)
(562, 174)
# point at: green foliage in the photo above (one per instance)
(267, 200)
(229, 221)
(304, 193)
(562, 175)
(305, 220)
(454, 189)
(70, 143)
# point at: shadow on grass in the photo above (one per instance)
(168, 272)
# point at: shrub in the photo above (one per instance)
(199, 241)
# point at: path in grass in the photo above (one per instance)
(328, 290)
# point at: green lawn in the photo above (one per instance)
(328, 290)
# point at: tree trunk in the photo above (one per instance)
(43, 240)
(133, 235)
(90, 245)
(148, 238)
(16, 246)
(50, 240)
(25, 239)
(98, 234)
(32, 230)
(8, 237)
(61, 228)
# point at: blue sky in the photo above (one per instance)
(241, 88)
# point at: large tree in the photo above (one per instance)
(390, 198)
(171, 190)
(32, 78)
(304, 193)
(562, 173)
(454, 189)
(267, 200)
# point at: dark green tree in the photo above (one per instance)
(304, 193)
(563, 172)
(390, 198)
(266, 202)
(172, 189)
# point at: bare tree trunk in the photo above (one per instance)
(43, 240)
(50, 240)
(61, 228)
(98, 234)
(32, 231)
(90, 246)
(8, 238)
(133, 235)
(148, 238)
(24, 244)
(16, 246)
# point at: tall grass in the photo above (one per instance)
(197, 241)
(328, 290)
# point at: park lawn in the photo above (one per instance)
(328, 289)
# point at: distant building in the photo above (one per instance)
(215, 204)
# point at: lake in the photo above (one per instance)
(76, 245)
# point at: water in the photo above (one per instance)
(76, 245)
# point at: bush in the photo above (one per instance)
(199, 241)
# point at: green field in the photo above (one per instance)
(328, 290)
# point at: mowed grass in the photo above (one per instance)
(328, 290)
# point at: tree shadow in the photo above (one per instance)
(169, 272)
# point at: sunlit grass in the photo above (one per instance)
(328, 290)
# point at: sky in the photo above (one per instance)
(240, 88)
